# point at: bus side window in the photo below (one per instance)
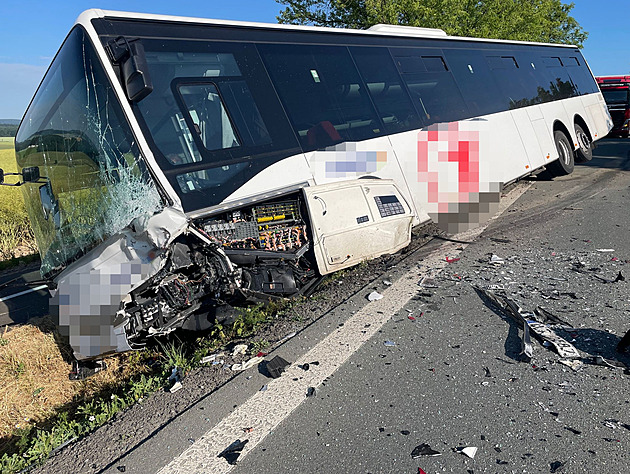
(475, 80)
(319, 85)
(386, 89)
(434, 93)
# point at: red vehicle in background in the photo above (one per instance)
(616, 91)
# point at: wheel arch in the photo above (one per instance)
(582, 123)
(559, 126)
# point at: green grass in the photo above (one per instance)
(15, 230)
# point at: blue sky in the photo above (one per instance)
(31, 31)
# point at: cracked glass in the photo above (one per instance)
(93, 182)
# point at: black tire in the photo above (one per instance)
(584, 153)
(565, 163)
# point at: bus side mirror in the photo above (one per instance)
(30, 174)
(136, 73)
(133, 64)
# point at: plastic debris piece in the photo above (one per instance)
(573, 364)
(556, 466)
(121, 468)
(176, 386)
(246, 365)
(468, 451)
(262, 354)
(387, 283)
(263, 388)
(405, 432)
(233, 451)
(496, 259)
(420, 471)
(374, 296)
(411, 318)
(452, 260)
(424, 450)
(276, 366)
(389, 343)
(305, 366)
(605, 250)
(239, 349)
(310, 392)
(249, 429)
(620, 277)
(211, 358)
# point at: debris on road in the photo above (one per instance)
(428, 282)
(212, 358)
(452, 259)
(624, 344)
(468, 451)
(233, 451)
(239, 349)
(310, 392)
(496, 259)
(573, 364)
(276, 366)
(374, 296)
(424, 450)
(246, 365)
(389, 343)
(556, 466)
(549, 318)
(605, 250)
(176, 386)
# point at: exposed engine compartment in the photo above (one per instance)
(246, 255)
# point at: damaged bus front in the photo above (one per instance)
(133, 240)
(175, 168)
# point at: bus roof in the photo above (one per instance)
(378, 30)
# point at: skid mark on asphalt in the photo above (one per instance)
(265, 410)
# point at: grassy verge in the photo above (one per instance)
(40, 409)
(16, 236)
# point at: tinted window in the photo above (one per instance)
(434, 93)
(557, 83)
(517, 78)
(322, 93)
(476, 81)
(386, 89)
(580, 75)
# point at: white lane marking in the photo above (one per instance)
(25, 292)
(266, 410)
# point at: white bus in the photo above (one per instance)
(176, 167)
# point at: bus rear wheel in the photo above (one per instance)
(565, 163)
(584, 152)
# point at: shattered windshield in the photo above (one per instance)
(93, 183)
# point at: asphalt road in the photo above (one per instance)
(434, 364)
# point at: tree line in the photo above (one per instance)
(8, 130)
(545, 21)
